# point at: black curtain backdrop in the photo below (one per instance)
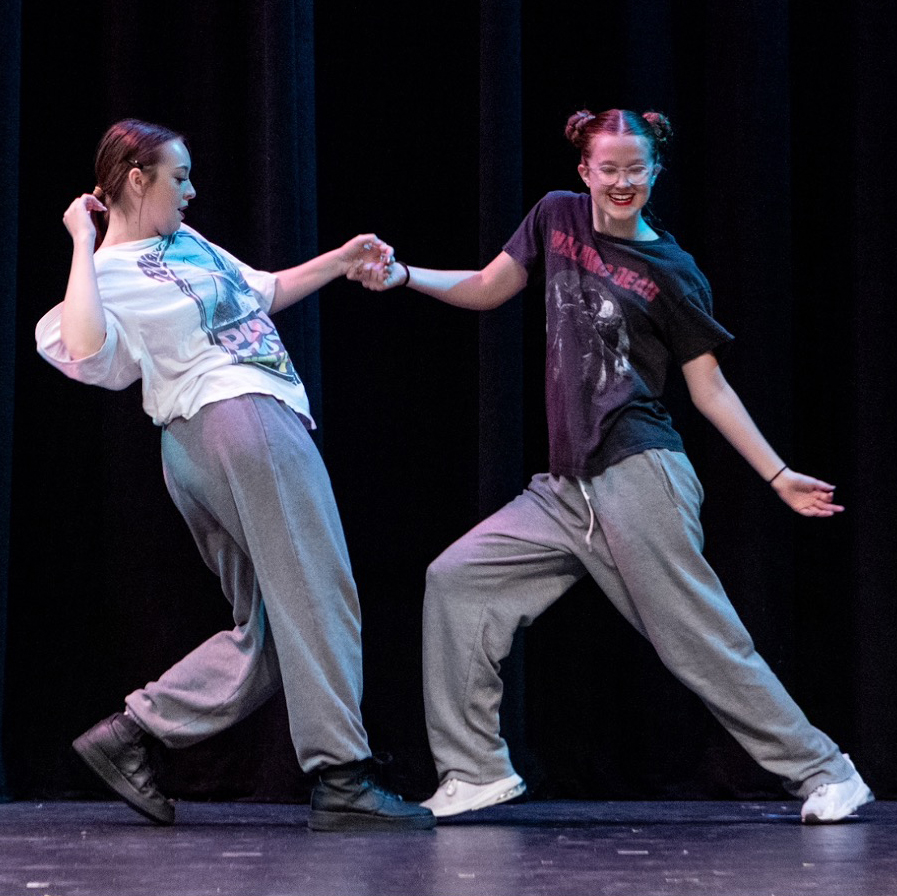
(438, 128)
(10, 12)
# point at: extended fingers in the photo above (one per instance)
(834, 508)
(821, 505)
(826, 496)
(820, 511)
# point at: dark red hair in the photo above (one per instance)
(584, 125)
(127, 144)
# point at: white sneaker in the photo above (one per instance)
(453, 796)
(834, 802)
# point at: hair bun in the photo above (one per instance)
(660, 124)
(575, 123)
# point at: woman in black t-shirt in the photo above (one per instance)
(621, 501)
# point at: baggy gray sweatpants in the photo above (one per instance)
(253, 489)
(645, 554)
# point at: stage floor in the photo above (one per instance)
(564, 848)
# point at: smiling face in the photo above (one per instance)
(617, 207)
(164, 191)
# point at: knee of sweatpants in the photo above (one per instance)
(447, 572)
(449, 586)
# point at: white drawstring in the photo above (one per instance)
(585, 494)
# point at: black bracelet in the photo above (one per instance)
(771, 481)
(407, 273)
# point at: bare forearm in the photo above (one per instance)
(724, 409)
(294, 284)
(499, 281)
(464, 289)
(717, 401)
(82, 322)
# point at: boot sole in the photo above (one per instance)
(107, 771)
(361, 822)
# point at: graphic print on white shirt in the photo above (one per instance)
(228, 311)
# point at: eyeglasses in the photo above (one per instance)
(637, 175)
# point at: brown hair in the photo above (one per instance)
(127, 144)
(584, 125)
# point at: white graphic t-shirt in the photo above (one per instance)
(188, 319)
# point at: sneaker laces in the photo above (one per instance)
(144, 774)
(375, 772)
(138, 743)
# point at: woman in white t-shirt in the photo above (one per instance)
(159, 303)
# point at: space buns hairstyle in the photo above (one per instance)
(584, 125)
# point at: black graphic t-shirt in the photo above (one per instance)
(618, 313)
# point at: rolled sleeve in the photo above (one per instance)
(111, 367)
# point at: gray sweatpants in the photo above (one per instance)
(644, 551)
(253, 489)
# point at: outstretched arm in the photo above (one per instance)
(296, 283)
(719, 403)
(499, 281)
(82, 322)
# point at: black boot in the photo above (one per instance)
(349, 799)
(115, 749)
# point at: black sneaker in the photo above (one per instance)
(115, 750)
(349, 799)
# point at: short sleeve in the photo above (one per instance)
(111, 367)
(527, 244)
(262, 283)
(691, 329)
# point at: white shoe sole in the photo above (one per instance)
(861, 797)
(500, 792)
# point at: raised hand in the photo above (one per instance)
(806, 495)
(77, 218)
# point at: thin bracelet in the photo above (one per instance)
(771, 481)
(407, 273)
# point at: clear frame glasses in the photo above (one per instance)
(636, 175)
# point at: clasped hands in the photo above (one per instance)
(372, 262)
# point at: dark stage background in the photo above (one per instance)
(438, 126)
